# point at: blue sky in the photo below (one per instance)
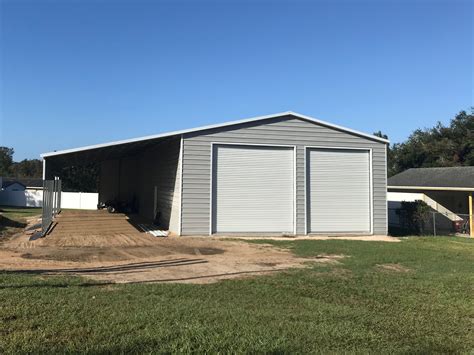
(76, 73)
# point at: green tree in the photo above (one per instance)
(27, 168)
(79, 178)
(416, 216)
(389, 153)
(6, 160)
(440, 146)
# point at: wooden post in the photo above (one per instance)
(471, 217)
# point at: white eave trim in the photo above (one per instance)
(432, 188)
(203, 128)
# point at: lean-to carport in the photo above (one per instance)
(144, 173)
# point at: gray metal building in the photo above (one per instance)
(283, 173)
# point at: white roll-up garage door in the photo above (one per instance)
(338, 191)
(253, 189)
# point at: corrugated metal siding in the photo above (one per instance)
(118, 179)
(245, 199)
(128, 167)
(159, 167)
(176, 201)
(285, 130)
(109, 180)
(338, 191)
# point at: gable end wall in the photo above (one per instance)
(286, 130)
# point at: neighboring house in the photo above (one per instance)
(448, 191)
(279, 174)
(20, 184)
(21, 192)
(13, 186)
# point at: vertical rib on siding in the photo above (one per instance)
(159, 167)
(176, 199)
(286, 130)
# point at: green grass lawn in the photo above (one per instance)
(352, 307)
(13, 219)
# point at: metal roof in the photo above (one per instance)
(225, 124)
(451, 178)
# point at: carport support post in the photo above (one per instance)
(471, 217)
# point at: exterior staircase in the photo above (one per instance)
(440, 208)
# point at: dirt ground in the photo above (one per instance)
(108, 248)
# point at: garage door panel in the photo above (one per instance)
(338, 191)
(253, 189)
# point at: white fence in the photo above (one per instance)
(27, 198)
(34, 198)
(79, 200)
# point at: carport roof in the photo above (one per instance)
(451, 178)
(203, 128)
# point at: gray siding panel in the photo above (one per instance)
(286, 130)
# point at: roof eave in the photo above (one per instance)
(203, 128)
(431, 188)
(345, 129)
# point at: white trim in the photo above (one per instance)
(386, 197)
(294, 189)
(180, 216)
(211, 195)
(371, 182)
(305, 166)
(44, 169)
(371, 191)
(251, 145)
(230, 123)
(335, 147)
(255, 144)
(434, 188)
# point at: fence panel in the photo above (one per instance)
(51, 203)
(79, 200)
(34, 198)
(431, 223)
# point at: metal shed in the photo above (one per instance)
(283, 173)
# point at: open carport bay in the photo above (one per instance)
(142, 176)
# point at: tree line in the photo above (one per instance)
(27, 168)
(83, 178)
(439, 146)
